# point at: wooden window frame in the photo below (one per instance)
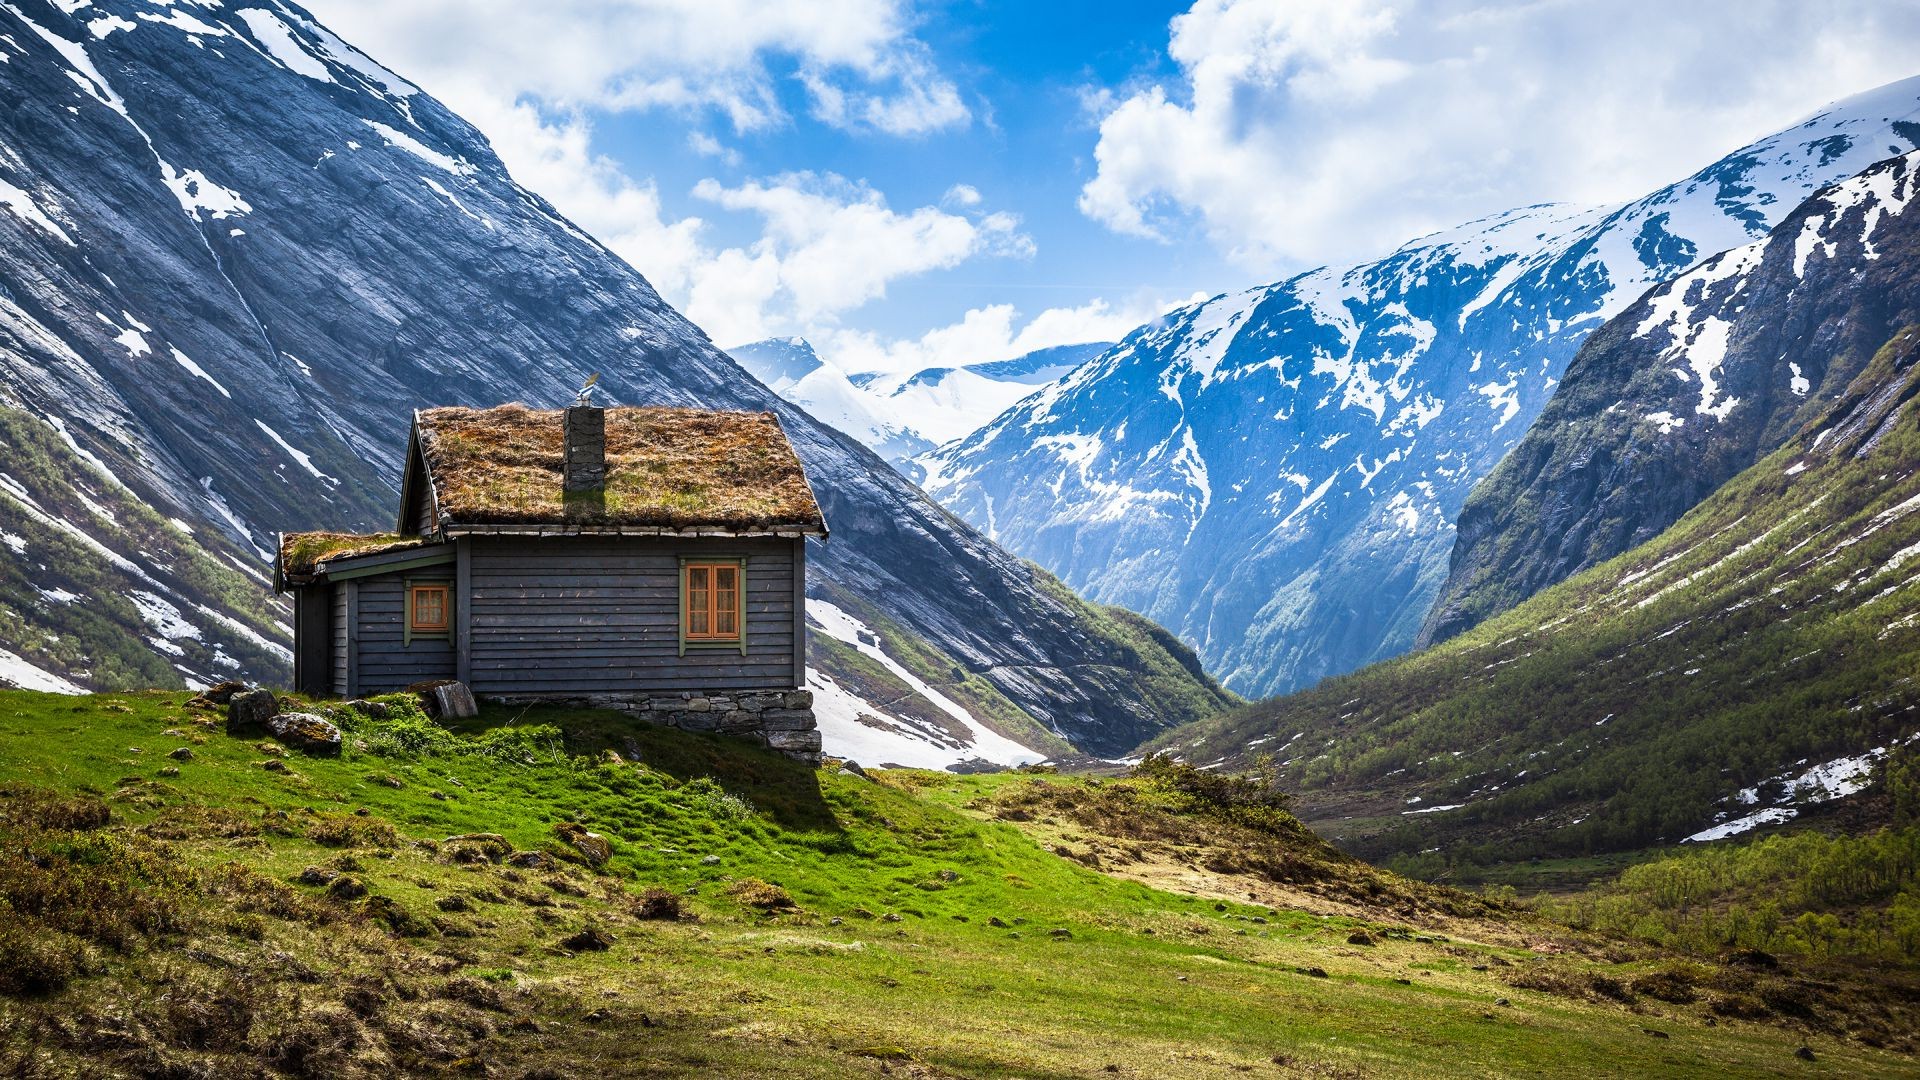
(410, 629)
(736, 642)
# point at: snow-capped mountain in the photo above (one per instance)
(903, 417)
(235, 253)
(789, 367)
(1275, 474)
(947, 403)
(1699, 379)
(1723, 494)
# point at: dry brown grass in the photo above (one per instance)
(302, 553)
(666, 467)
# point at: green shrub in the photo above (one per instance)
(704, 793)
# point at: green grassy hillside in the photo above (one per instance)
(552, 893)
(1771, 630)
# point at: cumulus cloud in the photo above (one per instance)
(534, 76)
(857, 58)
(1302, 131)
(995, 332)
(828, 246)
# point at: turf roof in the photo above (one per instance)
(302, 553)
(666, 468)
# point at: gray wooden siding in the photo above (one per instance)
(338, 650)
(423, 521)
(312, 640)
(387, 662)
(587, 615)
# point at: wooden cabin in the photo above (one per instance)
(649, 559)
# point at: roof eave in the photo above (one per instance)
(533, 528)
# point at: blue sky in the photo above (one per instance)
(1027, 150)
(910, 184)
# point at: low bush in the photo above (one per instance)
(657, 903)
(760, 894)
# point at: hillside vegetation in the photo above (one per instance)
(551, 893)
(99, 590)
(1756, 657)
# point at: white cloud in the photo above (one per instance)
(645, 54)
(835, 245)
(1303, 131)
(995, 332)
(533, 77)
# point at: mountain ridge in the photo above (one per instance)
(1625, 448)
(1747, 662)
(1313, 539)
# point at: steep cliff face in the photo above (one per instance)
(235, 253)
(1694, 382)
(1275, 475)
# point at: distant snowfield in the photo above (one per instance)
(853, 728)
(1836, 779)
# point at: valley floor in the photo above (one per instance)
(549, 893)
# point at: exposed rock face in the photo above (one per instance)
(1696, 381)
(242, 253)
(1274, 475)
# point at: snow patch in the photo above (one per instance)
(29, 211)
(306, 462)
(986, 744)
(17, 672)
(283, 46)
(1771, 816)
(186, 361)
(428, 154)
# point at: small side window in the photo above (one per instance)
(428, 612)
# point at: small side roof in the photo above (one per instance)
(305, 556)
(668, 470)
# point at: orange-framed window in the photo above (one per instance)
(428, 609)
(710, 607)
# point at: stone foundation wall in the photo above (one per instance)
(782, 720)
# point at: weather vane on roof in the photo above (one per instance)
(586, 390)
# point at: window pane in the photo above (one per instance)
(726, 601)
(699, 601)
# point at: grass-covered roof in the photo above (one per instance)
(301, 553)
(666, 467)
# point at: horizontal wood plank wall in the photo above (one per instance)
(338, 652)
(600, 615)
(388, 661)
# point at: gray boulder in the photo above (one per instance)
(306, 732)
(249, 711)
(448, 700)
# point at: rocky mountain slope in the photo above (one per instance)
(1696, 381)
(1274, 475)
(1753, 659)
(235, 253)
(899, 417)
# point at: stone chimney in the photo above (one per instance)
(585, 472)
